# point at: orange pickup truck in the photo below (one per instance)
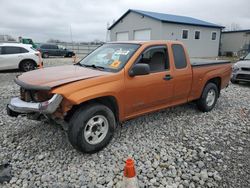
(116, 82)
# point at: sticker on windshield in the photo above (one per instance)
(122, 52)
(115, 64)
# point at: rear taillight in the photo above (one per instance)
(37, 53)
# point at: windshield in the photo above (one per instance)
(247, 57)
(110, 57)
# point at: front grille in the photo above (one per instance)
(243, 76)
(25, 95)
(245, 69)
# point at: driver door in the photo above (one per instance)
(150, 92)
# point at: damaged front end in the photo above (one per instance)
(38, 105)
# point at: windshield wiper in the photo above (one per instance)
(94, 66)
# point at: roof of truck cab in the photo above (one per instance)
(153, 42)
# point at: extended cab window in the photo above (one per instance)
(179, 56)
(156, 57)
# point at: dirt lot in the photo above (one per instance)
(176, 147)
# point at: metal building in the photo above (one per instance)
(200, 37)
(235, 43)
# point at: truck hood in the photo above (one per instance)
(245, 63)
(47, 78)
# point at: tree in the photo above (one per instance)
(235, 26)
(54, 41)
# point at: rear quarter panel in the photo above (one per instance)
(202, 74)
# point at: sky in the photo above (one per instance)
(87, 19)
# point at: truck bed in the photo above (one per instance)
(205, 62)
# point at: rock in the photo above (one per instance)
(185, 176)
(153, 180)
(173, 173)
(217, 177)
(40, 157)
(155, 164)
(204, 175)
(5, 173)
(201, 182)
(196, 178)
(150, 175)
(110, 184)
(159, 175)
(191, 185)
(200, 164)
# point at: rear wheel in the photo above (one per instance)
(45, 55)
(69, 55)
(208, 98)
(91, 128)
(27, 65)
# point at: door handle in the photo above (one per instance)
(168, 77)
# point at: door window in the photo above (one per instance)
(13, 50)
(156, 58)
(54, 47)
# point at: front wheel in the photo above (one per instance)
(208, 98)
(91, 128)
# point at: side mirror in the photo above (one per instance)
(139, 69)
(242, 58)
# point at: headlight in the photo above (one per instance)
(235, 68)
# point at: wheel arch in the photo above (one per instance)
(109, 101)
(216, 81)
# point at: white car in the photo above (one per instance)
(241, 70)
(18, 56)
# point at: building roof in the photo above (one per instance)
(169, 18)
(238, 31)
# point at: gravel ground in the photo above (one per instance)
(176, 147)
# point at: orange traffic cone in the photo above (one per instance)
(129, 178)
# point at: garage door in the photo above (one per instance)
(123, 36)
(142, 34)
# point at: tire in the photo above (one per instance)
(234, 81)
(68, 55)
(45, 55)
(27, 65)
(85, 133)
(208, 98)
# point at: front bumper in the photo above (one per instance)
(241, 76)
(18, 106)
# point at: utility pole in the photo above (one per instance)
(107, 33)
(71, 37)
